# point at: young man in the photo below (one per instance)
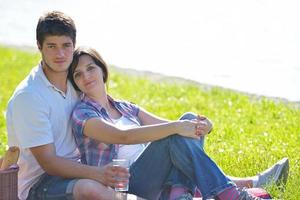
(38, 122)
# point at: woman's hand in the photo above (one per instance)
(188, 128)
(205, 125)
(195, 128)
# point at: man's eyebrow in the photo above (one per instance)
(50, 43)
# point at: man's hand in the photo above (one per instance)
(109, 172)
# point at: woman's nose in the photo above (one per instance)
(85, 76)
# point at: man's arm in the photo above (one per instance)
(30, 117)
(58, 166)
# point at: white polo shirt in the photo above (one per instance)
(37, 114)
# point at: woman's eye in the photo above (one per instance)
(90, 68)
(77, 75)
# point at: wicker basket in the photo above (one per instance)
(9, 184)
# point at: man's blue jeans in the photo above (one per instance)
(180, 160)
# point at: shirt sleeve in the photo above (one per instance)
(135, 109)
(30, 118)
(131, 108)
(80, 115)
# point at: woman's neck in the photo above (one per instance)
(104, 102)
(102, 99)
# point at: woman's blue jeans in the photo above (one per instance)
(176, 160)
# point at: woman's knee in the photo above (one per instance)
(90, 189)
(188, 115)
(190, 143)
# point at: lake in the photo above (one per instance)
(249, 46)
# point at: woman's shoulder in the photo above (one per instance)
(82, 107)
(124, 103)
(127, 107)
(121, 101)
(81, 104)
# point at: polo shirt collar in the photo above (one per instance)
(41, 74)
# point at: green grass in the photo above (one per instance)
(250, 133)
(14, 65)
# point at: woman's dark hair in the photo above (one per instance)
(80, 51)
(55, 23)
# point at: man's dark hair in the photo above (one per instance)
(55, 23)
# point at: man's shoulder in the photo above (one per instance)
(29, 86)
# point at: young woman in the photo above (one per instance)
(174, 161)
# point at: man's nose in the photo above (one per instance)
(60, 52)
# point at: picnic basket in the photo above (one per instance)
(9, 184)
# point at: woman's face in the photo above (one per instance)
(88, 76)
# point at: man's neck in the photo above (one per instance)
(58, 79)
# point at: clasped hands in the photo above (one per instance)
(204, 126)
(195, 128)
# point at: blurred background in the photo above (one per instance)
(250, 46)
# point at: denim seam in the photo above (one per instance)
(69, 190)
(214, 192)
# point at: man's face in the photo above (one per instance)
(57, 53)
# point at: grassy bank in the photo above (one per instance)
(250, 133)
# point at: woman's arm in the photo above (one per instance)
(148, 118)
(106, 132)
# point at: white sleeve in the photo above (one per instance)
(30, 120)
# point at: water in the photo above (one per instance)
(122, 184)
(250, 46)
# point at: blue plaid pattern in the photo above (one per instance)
(94, 152)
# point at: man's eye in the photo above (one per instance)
(68, 45)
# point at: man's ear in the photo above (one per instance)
(38, 45)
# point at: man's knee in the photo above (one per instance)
(90, 189)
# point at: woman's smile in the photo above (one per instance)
(89, 84)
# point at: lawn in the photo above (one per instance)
(250, 132)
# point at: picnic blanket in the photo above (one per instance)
(258, 192)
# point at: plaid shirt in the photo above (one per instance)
(94, 152)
